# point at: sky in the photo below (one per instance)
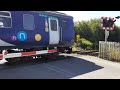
(87, 15)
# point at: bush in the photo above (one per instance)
(86, 44)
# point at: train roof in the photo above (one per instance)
(55, 13)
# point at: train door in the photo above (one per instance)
(54, 33)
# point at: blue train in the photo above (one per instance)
(35, 29)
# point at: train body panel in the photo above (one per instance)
(35, 29)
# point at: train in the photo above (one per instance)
(35, 30)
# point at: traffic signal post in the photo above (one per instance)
(107, 24)
(106, 35)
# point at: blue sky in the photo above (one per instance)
(87, 15)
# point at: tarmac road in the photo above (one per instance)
(66, 66)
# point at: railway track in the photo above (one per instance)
(91, 53)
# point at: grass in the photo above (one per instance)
(74, 49)
(114, 54)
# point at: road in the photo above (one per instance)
(66, 66)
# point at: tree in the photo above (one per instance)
(78, 40)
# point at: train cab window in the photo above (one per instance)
(28, 22)
(53, 25)
(5, 19)
(65, 25)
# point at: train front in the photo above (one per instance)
(5, 26)
(5, 19)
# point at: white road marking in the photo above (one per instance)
(61, 70)
(55, 70)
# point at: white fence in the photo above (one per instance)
(109, 50)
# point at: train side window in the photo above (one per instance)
(28, 22)
(53, 25)
(5, 19)
(65, 25)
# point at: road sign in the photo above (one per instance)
(107, 23)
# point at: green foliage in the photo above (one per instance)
(91, 31)
(85, 44)
(77, 38)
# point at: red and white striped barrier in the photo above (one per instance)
(13, 55)
(1, 56)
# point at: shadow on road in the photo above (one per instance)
(61, 68)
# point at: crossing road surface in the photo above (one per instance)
(67, 66)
